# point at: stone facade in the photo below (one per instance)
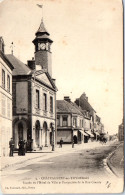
(34, 97)
(71, 122)
(43, 58)
(6, 103)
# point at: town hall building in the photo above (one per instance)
(34, 96)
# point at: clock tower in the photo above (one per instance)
(42, 44)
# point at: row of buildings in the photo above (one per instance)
(121, 131)
(29, 109)
(77, 121)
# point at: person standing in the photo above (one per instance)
(61, 142)
(11, 145)
(20, 151)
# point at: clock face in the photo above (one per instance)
(41, 46)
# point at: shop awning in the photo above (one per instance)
(89, 133)
(83, 133)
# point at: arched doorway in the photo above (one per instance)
(37, 132)
(45, 135)
(20, 131)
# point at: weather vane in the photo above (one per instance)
(40, 6)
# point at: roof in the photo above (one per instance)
(3, 56)
(42, 28)
(19, 67)
(84, 104)
(69, 107)
(42, 33)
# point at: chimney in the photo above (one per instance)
(67, 98)
(31, 64)
(2, 44)
(84, 95)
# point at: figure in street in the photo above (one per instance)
(25, 146)
(21, 151)
(61, 142)
(11, 145)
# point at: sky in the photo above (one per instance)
(87, 52)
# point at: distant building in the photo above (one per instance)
(71, 123)
(34, 96)
(5, 100)
(83, 103)
(121, 132)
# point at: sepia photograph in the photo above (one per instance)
(61, 96)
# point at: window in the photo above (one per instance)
(37, 99)
(45, 102)
(74, 122)
(65, 121)
(8, 83)
(58, 121)
(51, 104)
(3, 78)
(82, 123)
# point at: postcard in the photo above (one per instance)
(61, 95)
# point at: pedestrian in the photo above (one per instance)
(21, 145)
(11, 145)
(25, 146)
(61, 142)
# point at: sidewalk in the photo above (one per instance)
(116, 161)
(47, 153)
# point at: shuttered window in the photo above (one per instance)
(3, 105)
(8, 83)
(3, 78)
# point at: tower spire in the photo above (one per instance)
(42, 44)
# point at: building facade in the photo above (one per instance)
(34, 96)
(70, 122)
(6, 101)
(89, 115)
(121, 132)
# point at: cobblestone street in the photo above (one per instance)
(82, 162)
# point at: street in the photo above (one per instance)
(82, 163)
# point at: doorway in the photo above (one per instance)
(20, 131)
(75, 139)
(37, 129)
